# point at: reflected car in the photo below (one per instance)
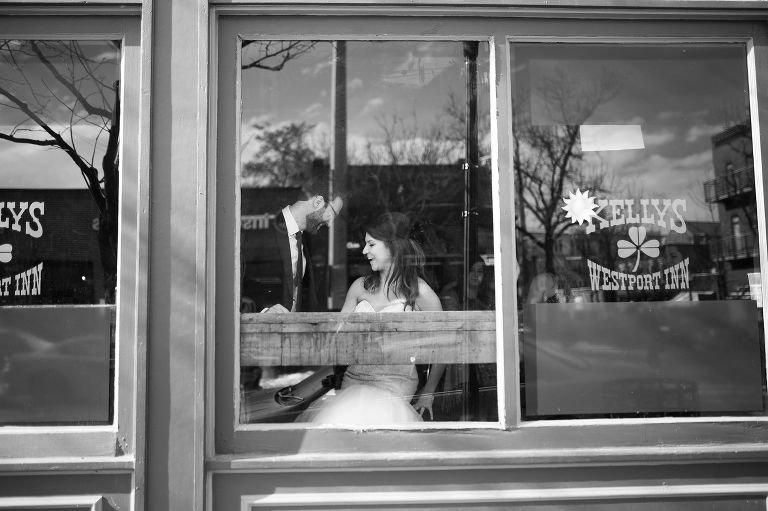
(287, 404)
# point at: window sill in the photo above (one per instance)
(68, 464)
(596, 444)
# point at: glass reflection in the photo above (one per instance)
(635, 177)
(59, 145)
(398, 127)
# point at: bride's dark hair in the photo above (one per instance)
(394, 230)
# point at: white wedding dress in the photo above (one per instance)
(373, 395)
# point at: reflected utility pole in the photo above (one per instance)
(337, 182)
(471, 167)
(471, 163)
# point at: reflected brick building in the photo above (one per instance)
(732, 191)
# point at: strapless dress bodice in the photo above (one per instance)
(393, 306)
(373, 394)
(400, 380)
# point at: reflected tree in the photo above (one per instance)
(405, 164)
(58, 96)
(403, 141)
(414, 168)
(284, 156)
(548, 160)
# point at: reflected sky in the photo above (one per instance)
(680, 96)
(24, 75)
(401, 87)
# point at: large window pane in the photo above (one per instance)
(59, 135)
(637, 231)
(366, 136)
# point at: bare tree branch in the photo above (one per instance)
(69, 84)
(548, 159)
(22, 140)
(41, 102)
(281, 52)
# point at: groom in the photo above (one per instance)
(298, 284)
(287, 256)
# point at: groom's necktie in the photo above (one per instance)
(297, 275)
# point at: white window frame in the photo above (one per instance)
(492, 498)
(112, 446)
(512, 441)
(499, 265)
(758, 145)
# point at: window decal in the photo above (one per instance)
(666, 213)
(28, 282)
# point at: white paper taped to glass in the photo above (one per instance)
(611, 137)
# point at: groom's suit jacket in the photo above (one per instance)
(308, 301)
(272, 263)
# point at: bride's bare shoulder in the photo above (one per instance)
(427, 299)
(425, 288)
(358, 286)
(354, 295)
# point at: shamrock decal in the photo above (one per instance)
(637, 244)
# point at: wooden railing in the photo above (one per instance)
(313, 338)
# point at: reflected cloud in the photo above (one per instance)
(659, 137)
(700, 131)
(675, 115)
(313, 109)
(372, 105)
(659, 176)
(672, 177)
(259, 120)
(417, 150)
(355, 83)
(28, 166)
(418, 71)
(88, 139)
(317, 68)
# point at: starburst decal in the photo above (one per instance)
(579, 206)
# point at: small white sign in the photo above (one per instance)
(611, 137)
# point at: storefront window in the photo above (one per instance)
(637, 231)
(381, 153)
(59, 138)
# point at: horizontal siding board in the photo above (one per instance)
(354, 338)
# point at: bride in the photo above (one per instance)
(381, 394)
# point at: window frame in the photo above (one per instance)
(494, 181)
(759, 147)
(513, 440)
(82, 446)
